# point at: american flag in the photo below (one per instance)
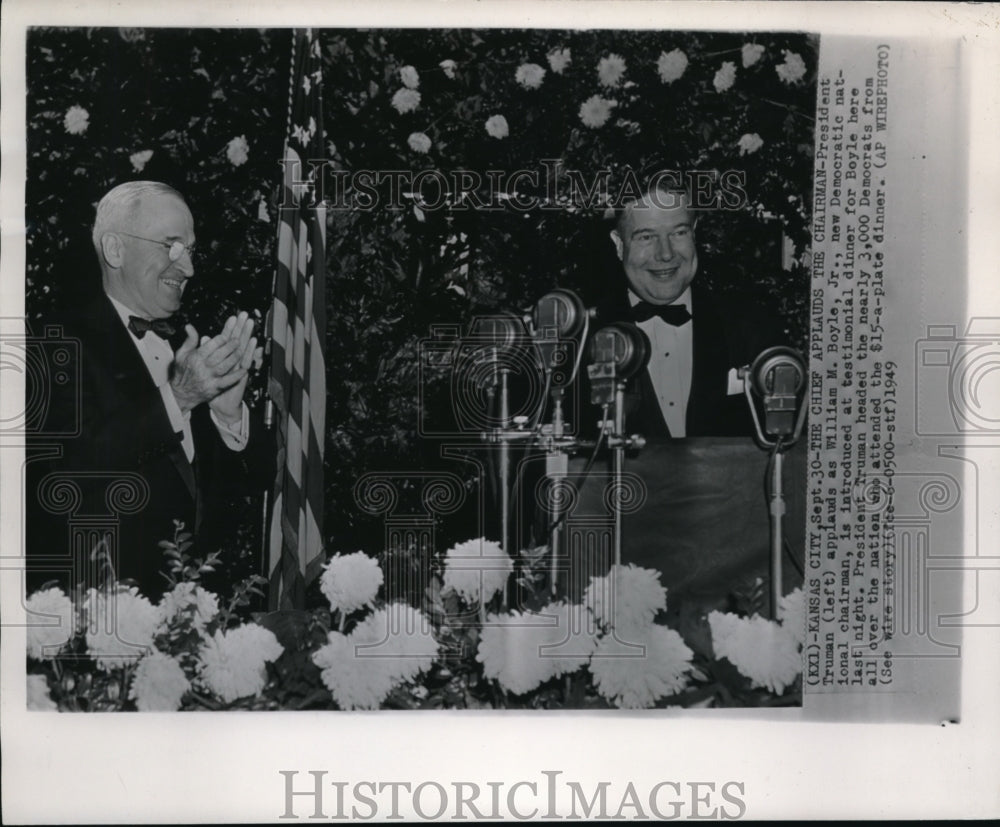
(297, 382)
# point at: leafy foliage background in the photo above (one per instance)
(185, 94)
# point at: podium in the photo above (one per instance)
(695, 510)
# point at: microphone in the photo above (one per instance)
(618, 352)
(501, 331)
(557, 316)
(778, 376)
(493, 342)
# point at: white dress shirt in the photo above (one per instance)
(671, 363)
(158, 356)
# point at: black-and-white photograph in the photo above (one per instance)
(537, 410)
(462, 371)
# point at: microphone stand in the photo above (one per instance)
(556, 469)
(776, 498)
(504, 468)
(619, 443)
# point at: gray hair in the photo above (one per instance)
(663, 187)
(121, 205)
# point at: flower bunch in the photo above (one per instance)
(671, 65)
(121, 625)
(529, 75)
(477, 570)
(628, 597)
(765, 651)
(350, 581)
(390, 646)
(559, 59)
(792, 69)
(522, 650)
(50, 623)
(188, 602)
(635, 669)
(233, 664)
(725, 77)
(595, 111)
(496, 127)
(159, 684)
(636, 661)
(238, 150)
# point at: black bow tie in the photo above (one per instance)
(675, 314)
(140, 326)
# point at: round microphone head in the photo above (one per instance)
(625, 344)
(762, 371)
(562, 310)
(503, 330)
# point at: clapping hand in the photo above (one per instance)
(228, 405)
(215, 370)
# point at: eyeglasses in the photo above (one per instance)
(175, 249)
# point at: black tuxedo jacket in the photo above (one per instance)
(128, 476)
(726, 335)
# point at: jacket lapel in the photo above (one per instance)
(709, 368)
(129, 375)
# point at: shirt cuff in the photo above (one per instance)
(235, 436)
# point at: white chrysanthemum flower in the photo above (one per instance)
(792, 69)
(410, 77)
(391, 645)
(559, 59)
(350, 581)
(508, 652)
(419, 142)
(354, 682)
(448, 67)
(628, 596)
(400, 637)
(233, 663)
(792, 614)
(238, 150)
(477, 569)
(76, 121)
(671, 65)
(496, 127)
(752, 52)
(725, 77)
(159, 684)
(189, 600)
(750, 143)
(50, 623)
(760, 649)
(405, 100)
(38, 697)
(140, 159)
(636, 678)
(610, 70)
(529, 75)
(523, 650)
(121, 626)
(595, 111)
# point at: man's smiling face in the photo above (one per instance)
(655, 242)
(148, 282)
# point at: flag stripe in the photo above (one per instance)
(298, 328)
